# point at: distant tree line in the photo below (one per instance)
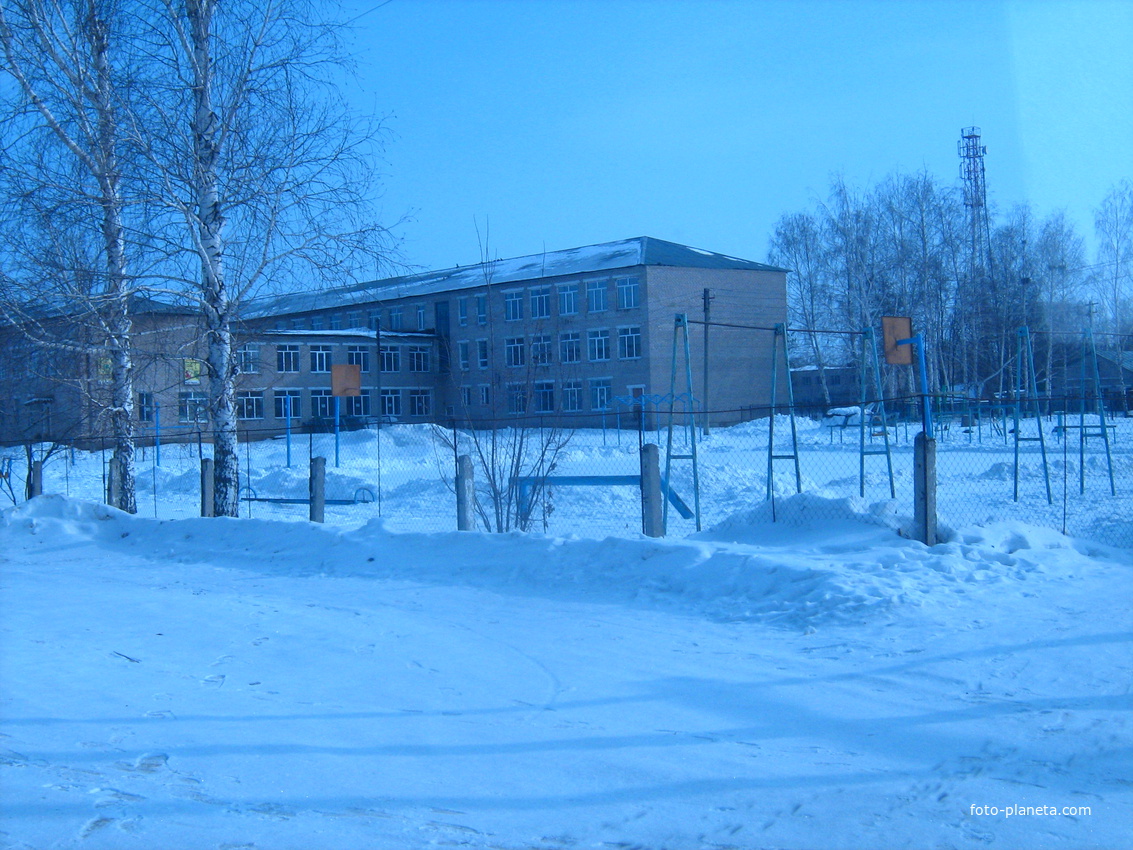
(194, 151)
(907, 247)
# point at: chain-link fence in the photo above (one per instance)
(582, 480)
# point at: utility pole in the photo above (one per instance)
(707, 316)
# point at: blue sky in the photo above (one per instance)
(554, 124)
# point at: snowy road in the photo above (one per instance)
(245, 684)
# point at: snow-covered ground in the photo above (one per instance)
(816, 682)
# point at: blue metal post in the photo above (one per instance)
(919, 343)
(336, 405)
(287, 420)
(157, 434)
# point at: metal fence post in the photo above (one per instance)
(465, 494)
(208, 508)
(318, 488)
(652, 516)
(924, 488)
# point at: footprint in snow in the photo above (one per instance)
(213, 681)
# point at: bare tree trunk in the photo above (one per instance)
(205, 129)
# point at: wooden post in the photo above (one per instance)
(924, 488)
(35, 487)
(318, 488)
(207, 506)
(465, 495)
(652, 515)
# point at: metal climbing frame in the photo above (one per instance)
(870, 366)
(1092, 384)
(1027, 392)
(680, 330)
(779, 342)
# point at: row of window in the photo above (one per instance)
(539, 299)
(535, 301)
(288, 404)
(541, 348)
(288, 358)
(542, 396)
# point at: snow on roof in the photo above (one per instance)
(608, 256)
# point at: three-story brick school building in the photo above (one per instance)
(564, 336)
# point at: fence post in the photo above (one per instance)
(114, 483)
(318, 488)
(924, 488)
(465, 494)
(652, 516)
(36, 484)
(207, 506)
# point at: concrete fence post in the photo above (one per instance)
(208, 508)
(652, 515)
(924, 488)
(114, 483)
(318, 488)
(465, 494)
(35, 486)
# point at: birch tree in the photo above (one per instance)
(263, 167)
(63, 168)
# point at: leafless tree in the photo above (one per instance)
(268, 176)
(63, 169)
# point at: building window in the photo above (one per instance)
(629, 343)
(358, 405)
(287, 404)
(316, 323)
(391, 403)
(419, 402)
(375, 320)
(145, 407)
(463, 355)
(513, 306)
(596, 296)
(462, 311)
(601, 391)
(598, 345)
(516, 398)
(481, 309)
(391, 358)
(568, 299)
(248, 358)
(250, 404)
(320, 358)
(420, 317)
(544, 396)
(358, 355)
(298, 324)
(627, 292)
(322, 404)
(466, 397)
(335, 321)
(482, 353)
(570, 347)
(418, 358)
(485, 394)
(541, 349)
(513, 351)
(192, 407)
(395, 319)
(541, 303)
(572, 396)
(287, 358)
